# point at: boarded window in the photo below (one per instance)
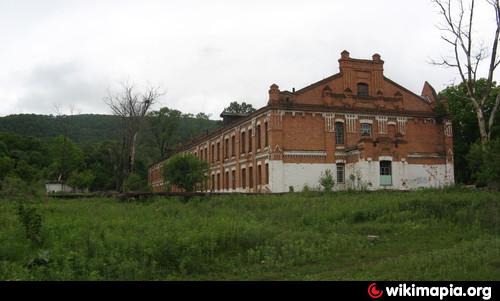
(362, 89)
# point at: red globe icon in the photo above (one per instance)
(373, 292)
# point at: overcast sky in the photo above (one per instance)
(205, 54)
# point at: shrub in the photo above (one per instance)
(484, 162)
(81, 180)
(32, 223)
(185, 171)
(135, 183)
(13, 186)
(326, 180)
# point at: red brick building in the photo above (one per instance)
(371, 132)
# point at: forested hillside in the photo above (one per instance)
(89, 128)
(85, 150)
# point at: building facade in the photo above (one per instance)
(369, 131)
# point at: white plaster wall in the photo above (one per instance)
(427, 175)
(366, 175)
(284, 175)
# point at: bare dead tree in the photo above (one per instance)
(468, 54)
(131, 107)
(63, 119)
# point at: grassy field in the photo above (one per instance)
(424, 235)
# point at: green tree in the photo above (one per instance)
(25, 171)
(243, 108)
(468, 52)
(203, 116)
(484, 163)
(81, 180)
(164, 125)
(185, 171)
(465, 126)
(134, 182)
(6, 166)
(67, 157)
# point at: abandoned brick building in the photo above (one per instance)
(368, 130)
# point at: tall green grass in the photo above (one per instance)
(422, 235)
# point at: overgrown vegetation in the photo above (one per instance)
(448, 234)
(466, 132)
(185, 171)
(33, 150)
(326, 180)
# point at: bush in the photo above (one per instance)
(13, 186)
(135, 183)
(32, 223)
(185, 171)
(484, 162)
(81, 180)
(326, 180)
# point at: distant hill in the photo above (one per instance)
(88, 128)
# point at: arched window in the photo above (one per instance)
(339, 132)
(362, 89)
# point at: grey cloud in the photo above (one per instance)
(64, 85)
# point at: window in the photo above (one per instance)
(385, 173)
(226, 148)
(213, 182)
(266, 136)
(243, 178)
(267, 173)
(218, 181)
(242, 142)
(206, 154)
(218, 151)
(259, 175)
(339, 132)
(226, 180)
(213, 153)
(250, 146)
(362, 89)
(340, 173)
(366, 129)
(233, 146)
(258, 136)
(233, 178)
(250, 177)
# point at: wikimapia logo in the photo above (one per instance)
(404, 290)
